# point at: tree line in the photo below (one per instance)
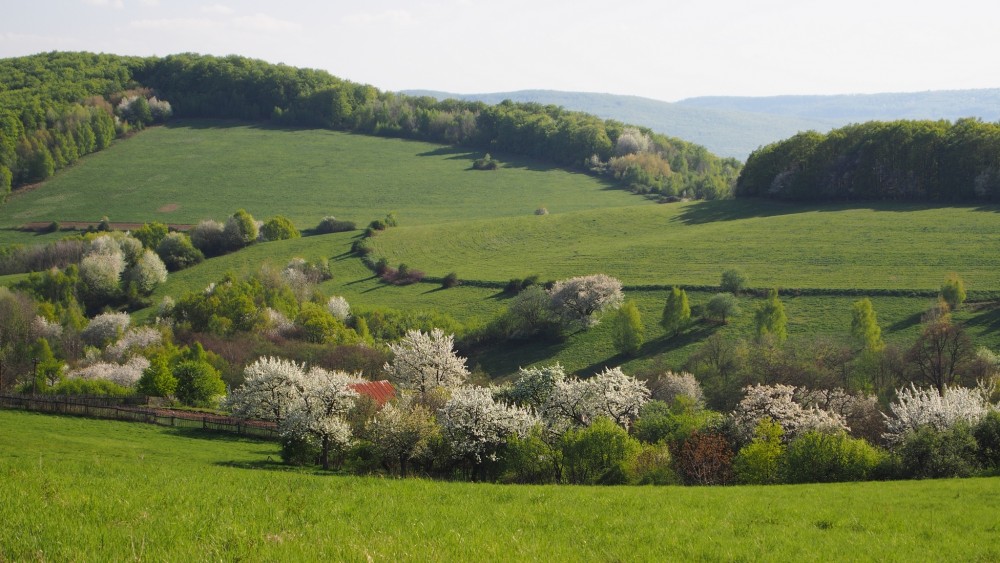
(896, 161)
(55, 107)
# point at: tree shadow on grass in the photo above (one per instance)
(508, 357)
(903, 324)
(269, 463)
(653, 348)
(989, 319)
(197, 433)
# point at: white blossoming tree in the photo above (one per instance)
(318, 412)
(423, 362)
(270, 388)
(578, 300)
(476, 426)
(915, 407)
(578, 402)
(777, 403)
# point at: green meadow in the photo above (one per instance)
(79, 489)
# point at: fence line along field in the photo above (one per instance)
(88, 489)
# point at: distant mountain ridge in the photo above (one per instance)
(735, 126)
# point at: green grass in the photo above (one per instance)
(776, 244)
(209, 169)
(77, 489)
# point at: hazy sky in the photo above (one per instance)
(664, 49)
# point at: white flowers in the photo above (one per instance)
(926, 407)
(776, 402)
(423, 362)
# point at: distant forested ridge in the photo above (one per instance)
(898, 160)
(55, 107)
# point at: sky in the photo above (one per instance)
(666, 50)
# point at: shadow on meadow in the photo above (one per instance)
(753, 208)
(653, 348)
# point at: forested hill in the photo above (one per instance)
(56, 107)
(899, 160)
(727, 132)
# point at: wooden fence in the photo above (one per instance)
(93, 408)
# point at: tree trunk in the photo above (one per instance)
(325, 455)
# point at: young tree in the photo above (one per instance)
(722, 306)
(279, 227)
(198, 383)
(770, 318)
(177, 252)
(402, 432)
(423, 362)
(578, 300)
(270, 388)
(676, 312)
(953, 291)
(157, 380)
(940, 355)
(864, 326)
(627, 330)
(733, 281)
(476, 426)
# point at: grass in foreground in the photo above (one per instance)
(76, 489)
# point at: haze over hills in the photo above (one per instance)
(735, 126)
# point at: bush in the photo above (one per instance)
(485, 163)
(177, 252)
(208, 237)
(987, 434)
(150, 234)
(198, 384)
(705, 458)
(760, 461)
(529, 460)
(330, 224)
(93, 387)
(240, 230)
(299, 451)
(279, 228)
(818, 457)
(931, 453)
(733, 281)
(652, 466)
(722, 306)
(450, 281)
(598, 454)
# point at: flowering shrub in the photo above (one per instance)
(776, 402)
(133, 340)
(579, 402)
(339, 307)
(914, 408)
(578, 300)
(670, 386)
(125, 374)
(105, 328)
(475, 426)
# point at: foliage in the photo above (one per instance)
(676, 312)
(339, 308)
(864, 326)
(953, 291)
(898, 160)
(105, 328)
(75, 387)
(761, 461)
(987, 435)
(239, 230)
(733, 281)
(270, 386)
(653, 466)
(151, 234)
(823, 457)
(598, 454)
(931, 453)
(628, 331)
(677, 388)
(673, 423)
(424, 361)
(317, 413)
(770, 319)
(579, 402)
(125, 374)
(940, 355)
(279, 228)
(450, 280)
(485, 163)
(722, 307)
(578, 300)
(331, 224)
(705, 458)
(209, 237)
(198, 383)
(401, 433)
(177, 252)
(157, 380)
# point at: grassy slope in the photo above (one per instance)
(209, 169)
(783, 245)
(77, 489)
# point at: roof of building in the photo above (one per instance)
(381, 391)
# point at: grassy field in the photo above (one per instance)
(776, 244)
(77, 489)
(196, 170)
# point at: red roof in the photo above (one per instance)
(381, 391)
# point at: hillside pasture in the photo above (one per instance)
(194, 170)
(885, 247)
(100, 490)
